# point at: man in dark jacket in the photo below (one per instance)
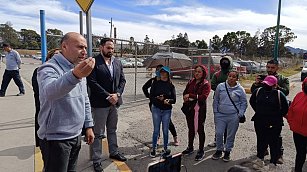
(106, 83)
(282, 85)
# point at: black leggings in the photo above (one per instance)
(300, 146)
(201, 129)
(267, 135)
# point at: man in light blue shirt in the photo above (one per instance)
(64, 104)
(13, 62)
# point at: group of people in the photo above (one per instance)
(74, 93)
(268, 100)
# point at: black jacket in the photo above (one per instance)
(165, 88)
(101, 83)
(267, 108)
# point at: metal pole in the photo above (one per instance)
(81, 22)
(111, 28)
(135, 70)
(43, 36)
(277, 32)
(89, 33)
(209, 61)
(115, 35)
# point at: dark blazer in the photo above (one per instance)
(101, 83)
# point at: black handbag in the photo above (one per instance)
(186, 108)
(242, 119)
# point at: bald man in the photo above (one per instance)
(65, 105)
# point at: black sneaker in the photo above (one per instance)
(118, 157)
(266, 152)
(188, 151)
(226, 157)
(217, 155)
(200, 155)
(153, 153)
(165, 154)
(98, 167)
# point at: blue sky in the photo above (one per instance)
(160, 19)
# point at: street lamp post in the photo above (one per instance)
(277, 32)
(111, 28)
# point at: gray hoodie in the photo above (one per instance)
(222, 103)
(64, 101)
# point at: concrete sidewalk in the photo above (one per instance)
(16, 129)
(17, 148)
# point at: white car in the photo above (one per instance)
(126, 64)
(304, 71)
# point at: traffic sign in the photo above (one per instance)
(85, 5)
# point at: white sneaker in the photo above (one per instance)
(212, 144)
(258, 163)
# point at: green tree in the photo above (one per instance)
(242, 40)
(8, 34)
(199, 44)
(54, 37)
(229, 42)
(268, 39)
(30, 39)
(216, 44)
(182, 41)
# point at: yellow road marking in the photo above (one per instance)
(38, 162)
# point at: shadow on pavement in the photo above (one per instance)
(22, 153)
(17, 124)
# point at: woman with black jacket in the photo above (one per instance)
(270, 106)
(162, 95)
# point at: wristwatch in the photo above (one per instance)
(118, 94)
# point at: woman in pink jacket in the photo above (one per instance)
(297, 119)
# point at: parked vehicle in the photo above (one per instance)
(261, 67)
(304, 70)
(126, 64)
(251, 67)
(201, 60)
(237, 67)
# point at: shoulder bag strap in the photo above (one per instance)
(230, 98)
(278, 92)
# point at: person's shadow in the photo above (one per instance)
(22, 152)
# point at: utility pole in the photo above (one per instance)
(111, 28)
(277, 32)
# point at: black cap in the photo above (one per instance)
(6, 44)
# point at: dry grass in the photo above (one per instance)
(248, 79)
(291, 70)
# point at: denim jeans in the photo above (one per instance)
(60, 155)
(159, 116)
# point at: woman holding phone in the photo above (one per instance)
(162, 96)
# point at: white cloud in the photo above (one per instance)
(199, 22)
(152, 2)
